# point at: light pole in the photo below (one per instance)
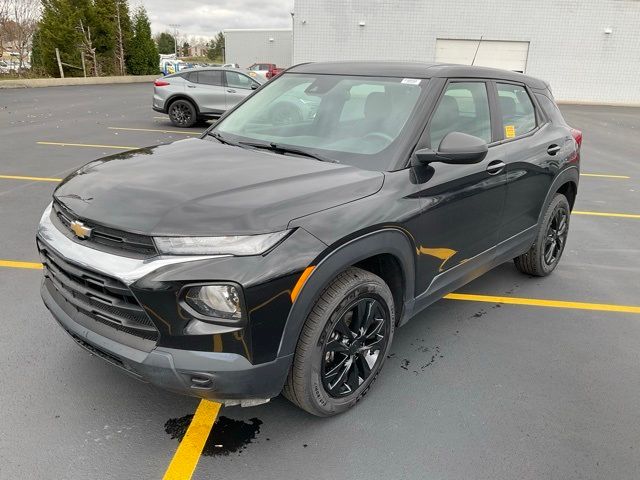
(293, 36)
(175, 27)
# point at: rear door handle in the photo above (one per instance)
(191, 86)
(495, 167)
(231, 90)
(553, 149)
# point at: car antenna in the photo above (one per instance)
(477, 48)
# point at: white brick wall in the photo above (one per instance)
(248, 46)
(568, 44)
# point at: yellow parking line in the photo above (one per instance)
(602, 175)
(188, 453)
(605, 214)
(14, 264)
(117, 147)
(154, 130)
(36, 179)
(535, 302)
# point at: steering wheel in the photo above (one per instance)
(379, 135)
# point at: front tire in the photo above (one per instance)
(182, 113)
(544, 255)
(343, 344)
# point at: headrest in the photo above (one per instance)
(378, 104)
(508, 106)
(448, 111)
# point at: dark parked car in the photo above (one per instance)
(280, 255)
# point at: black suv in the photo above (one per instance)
(278, 253)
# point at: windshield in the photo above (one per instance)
(349, 119)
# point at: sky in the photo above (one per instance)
(204, 18)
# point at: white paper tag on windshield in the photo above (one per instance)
(411, 81)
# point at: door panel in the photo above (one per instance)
(238, 87)
(530, 171)
(206, 88)
(530, 166)
(462, 211)
(462, 205)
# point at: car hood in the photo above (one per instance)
(202, 187)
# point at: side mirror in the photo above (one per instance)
(254, 86)
(455, 148)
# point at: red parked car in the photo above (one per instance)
(267, 70)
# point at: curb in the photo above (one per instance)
(59, 82)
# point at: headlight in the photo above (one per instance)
(219, 301)
(232, 245)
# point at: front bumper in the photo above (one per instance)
(237, 363)
(225, 377)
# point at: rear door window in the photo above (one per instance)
(517, 111)
(464, 108)
(210, 77)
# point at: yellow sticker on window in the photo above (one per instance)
(509, 131)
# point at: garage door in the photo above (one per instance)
(491, 53)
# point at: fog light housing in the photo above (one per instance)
(220, 301)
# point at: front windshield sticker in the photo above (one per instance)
(411, 81)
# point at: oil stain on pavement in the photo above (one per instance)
(227, 435)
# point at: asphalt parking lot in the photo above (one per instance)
(477, 389)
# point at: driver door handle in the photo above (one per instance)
(495, 167)
(191, 86)
(231, 90)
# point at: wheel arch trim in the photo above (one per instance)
(569, 174)
(181, 96)
(390, 240)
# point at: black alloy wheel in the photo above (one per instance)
(343, 345)
(352, 350)
(556, 237)
(182, 113)
(544, 255)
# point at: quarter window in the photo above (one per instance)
(463, 108)
(518, 113)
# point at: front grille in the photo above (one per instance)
(106, 238)
(102, 298)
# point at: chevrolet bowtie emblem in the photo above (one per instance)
(80, 229)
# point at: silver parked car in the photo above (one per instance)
(201, 93)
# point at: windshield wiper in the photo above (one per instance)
(218, 136)
(274, 147)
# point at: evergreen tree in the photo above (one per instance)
(166, 43)
(216, 52)
(60, 28)
(110, 26)
(143, 56)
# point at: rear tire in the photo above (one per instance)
(544, 255)
(343, 344)
(182, 113)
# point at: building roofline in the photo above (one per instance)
(257, 30)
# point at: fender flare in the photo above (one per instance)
(569, 174)
(391, 241)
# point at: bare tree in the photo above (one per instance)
(4, 20)
(88, 48)
(18, 23)
(119, 41)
